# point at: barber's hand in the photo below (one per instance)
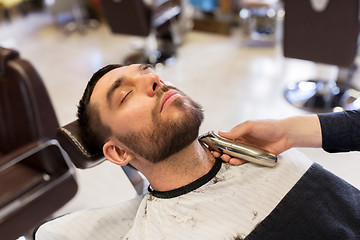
(229, 159)
(269, 135)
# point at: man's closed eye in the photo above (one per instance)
(125, 97)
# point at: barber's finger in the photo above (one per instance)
(216, 154)
(225, 157)
(231, 160)
(236, 161)
(235, 132)
(225, 134)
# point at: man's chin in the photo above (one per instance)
(173, 130)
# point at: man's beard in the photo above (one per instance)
(168, 136)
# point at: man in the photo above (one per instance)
(131, 105)
(135, 118)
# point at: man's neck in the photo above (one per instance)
(179, 169)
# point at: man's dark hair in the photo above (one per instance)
(93, 132)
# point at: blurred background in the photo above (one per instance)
(240, 59)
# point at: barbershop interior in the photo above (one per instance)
(239, 59)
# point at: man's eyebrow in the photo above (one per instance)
(116, 84)
(143, 67)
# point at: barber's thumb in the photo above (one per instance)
(226, 134)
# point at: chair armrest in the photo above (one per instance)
(34, 190)
(28, 150)
(4, 159)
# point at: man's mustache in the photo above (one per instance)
(160, 92)
(164, 89)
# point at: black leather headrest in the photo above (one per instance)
(6, 55)
(70, 139)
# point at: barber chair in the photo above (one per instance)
(70, 139)
(36, 175)
(325, 32)
(259, 20)
(72, 15)
(157, 22)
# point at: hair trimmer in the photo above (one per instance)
(238, 150)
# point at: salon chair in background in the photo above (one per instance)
(73, 15)
(36, 176)
(161, 24)
(325, 32)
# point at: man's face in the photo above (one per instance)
(152, 119)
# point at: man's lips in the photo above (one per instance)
(168, 97)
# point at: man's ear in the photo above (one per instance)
(117, 154)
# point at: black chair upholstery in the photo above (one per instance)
(36, 176)
(70, 139)
(156, 23)
(326, 36)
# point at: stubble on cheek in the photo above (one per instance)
(166, 135)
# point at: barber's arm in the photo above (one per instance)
(340, 131)
(334, 132)
(276, 136)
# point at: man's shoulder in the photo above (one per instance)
(92, 223)
(250, 191)
(291, 161)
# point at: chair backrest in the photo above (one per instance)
(325, 36)
(26, 112)
(34, 171)
(127, 16)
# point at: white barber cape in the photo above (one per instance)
(227, 203)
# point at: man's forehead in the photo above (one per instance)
(112, 76)
(105, 82)
(117, 72)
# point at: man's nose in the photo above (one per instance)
(150, 84)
